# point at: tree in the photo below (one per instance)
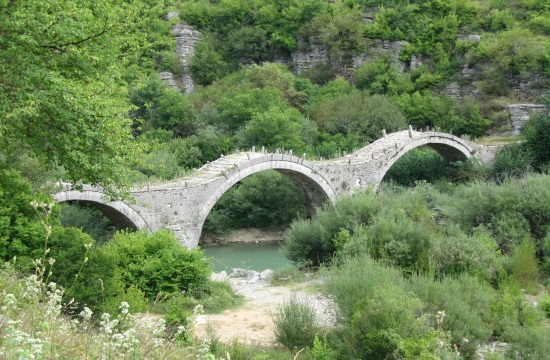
(61, 93)
(276, 127)
(358, 114)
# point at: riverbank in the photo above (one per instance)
(252, 323)
(250, 235)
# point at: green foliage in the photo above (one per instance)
(511, 211)
(276, 128)
(457, 253)
(339, 31)
(294, 322)
(21, 232)
(513, 51)
(157, 263)
(466, 303)
(358, 114)
(513, 160)
(311, 241)
(538, 140)
(265, 199)
(524, 266)
(545, 305)
(381, 316)
(161, 107)
(417, 164)
(62, 93)
(286, 275)
(89, 219)
(207, 64)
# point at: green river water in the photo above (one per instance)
(248, 256)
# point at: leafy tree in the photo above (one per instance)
(207, 64)
(61, 89)
(276, 127)
(358, 114)
(22, 235)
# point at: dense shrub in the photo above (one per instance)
(157, 263)
(295, 325)
(311, 241)
(466, 302)
(22, 231)
(510, 211)
(456, 253)
(524, 266)
(382, 317)
(538, 140)
(358, 114)
(512, 161)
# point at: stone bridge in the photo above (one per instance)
(183, 205)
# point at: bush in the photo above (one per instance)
(524, 266)
(381, 316)
(466, 302)
(538, 140)
(157, 263)
(513, 160)
(310, 242)
(400, 240)
(22, 234)
(457, 253)
(295, 323)
(514, 209)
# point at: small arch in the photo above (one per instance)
(120, 214)
(450, 147)
(316, 188)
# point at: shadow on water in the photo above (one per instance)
(248, 256)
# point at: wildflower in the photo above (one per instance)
(86, 314)
(124, 306)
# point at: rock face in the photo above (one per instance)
(456, 91)
(520, 114)
(186, 39)
(313, 53)
(168, 78)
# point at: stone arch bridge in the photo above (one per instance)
(183, 205)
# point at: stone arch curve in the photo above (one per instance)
(120, 214)
(450, 147)
(317, 189)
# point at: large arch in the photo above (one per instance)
(317, 190)
(450, 147)
(120, 214)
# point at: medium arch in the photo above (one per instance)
(120, 214)
(450, 147)
(316, 188)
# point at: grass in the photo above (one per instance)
(287, 275)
